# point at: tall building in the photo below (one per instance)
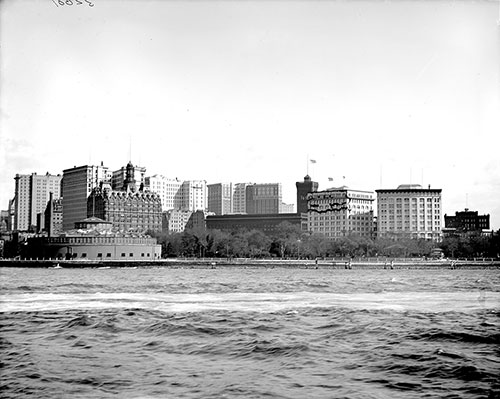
(409, 211)
(240, 198)
(53, 216)
(77, 184)
(168, 189)
(194, 195)
(467, 221)
(22, 203)
(220, 198)
(338, 212)
(263, 198)
(189, 195)
(31, 196)
(304, 188)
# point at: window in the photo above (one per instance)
(130, 254)
(108, 255)
(84, 255)
(99, 255)
(123, 254)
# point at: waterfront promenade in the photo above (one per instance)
(333, 263)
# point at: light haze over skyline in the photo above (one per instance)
(381, 92)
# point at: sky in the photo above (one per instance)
(378, 93)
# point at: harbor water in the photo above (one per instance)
(262, 332)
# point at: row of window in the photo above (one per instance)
(108, 255)
(413, 199)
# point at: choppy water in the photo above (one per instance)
(252, 333)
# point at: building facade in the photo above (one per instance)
(168, 189)
(198, 220)
(175, 220)
(31, 196)
(194, 195)
(188, 195)
(92, 239)
(268, 223)
(287, 208)
(409, 211)
(77, 184)
(220, 198)
(53, 217)
(264, 198)
(22, 203)
(467, 221)
(304, 188)
(339, 212)
(240, 198)
(127, 210)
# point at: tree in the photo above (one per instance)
(285, 238)
(258, 243)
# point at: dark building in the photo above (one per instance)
(198, 220)
(304, 188)
(467, 221)
(264, 198)
(266, 223)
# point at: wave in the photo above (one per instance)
(434, 302)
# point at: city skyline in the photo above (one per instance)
(377, 93)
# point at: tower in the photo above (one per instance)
(129, 183)
(303, 188)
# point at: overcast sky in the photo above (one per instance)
(381, 92)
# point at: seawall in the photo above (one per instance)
(257, 263)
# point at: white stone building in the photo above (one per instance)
(338, 212)
(32, 193)
(188, 195)
(409, 211)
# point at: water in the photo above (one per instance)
(252, 333)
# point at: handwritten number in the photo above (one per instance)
(71, 2)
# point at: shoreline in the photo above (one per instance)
(257, 263)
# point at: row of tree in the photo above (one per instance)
(288, 241)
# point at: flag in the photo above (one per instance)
(313, 160)
(330, 179)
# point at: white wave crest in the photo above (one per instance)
(254, 302)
